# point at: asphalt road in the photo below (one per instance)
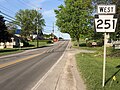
(22, 71)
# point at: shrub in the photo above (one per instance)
(49, 42)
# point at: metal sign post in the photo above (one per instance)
(105, 21)
(104, 61)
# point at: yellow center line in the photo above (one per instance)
(19, 60)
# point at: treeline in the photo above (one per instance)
(30, 21)
(76, 17)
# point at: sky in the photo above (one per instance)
(11, 7)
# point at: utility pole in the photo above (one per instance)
(53, 29)
(37, 31)
(37, 25)
(53, 32)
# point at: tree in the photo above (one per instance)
(11, 27)
(75, 18)
(102, 1)
(28, 21)
(4, 35)
(116, 35)
(2, 24)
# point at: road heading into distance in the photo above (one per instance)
(23, 71)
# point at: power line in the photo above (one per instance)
(8, 18)
(13, 4)
(7, 15)
(29, 3)
(6, 9)
(8, 21)
(2, 9)
(11, 22)
(26, 4)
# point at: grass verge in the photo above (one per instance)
(33, 45)
(90, 65)
(40, 43)
(10, 51)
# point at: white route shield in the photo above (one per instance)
(105, 23)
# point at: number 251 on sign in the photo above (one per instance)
(105, 23)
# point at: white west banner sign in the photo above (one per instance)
(106, 9)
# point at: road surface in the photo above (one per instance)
(22, 71)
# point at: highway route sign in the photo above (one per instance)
(105, 23)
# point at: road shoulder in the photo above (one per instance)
(64, 76)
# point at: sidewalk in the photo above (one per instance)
(63, 75)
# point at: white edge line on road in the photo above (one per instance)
(46, 75)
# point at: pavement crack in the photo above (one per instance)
(57, 81)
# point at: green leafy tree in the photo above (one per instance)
(4, 35)
(11, 27)
(2, 23)
(116, 35)
(101, 1)
(75, 18)
(28, 21)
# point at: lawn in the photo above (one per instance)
(90, 65)
(9, 51)
(40, 43)
(33, 44)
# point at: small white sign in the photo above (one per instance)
(105, 23)
(106, 9)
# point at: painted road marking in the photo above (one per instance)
(46, 75)
(20, 60)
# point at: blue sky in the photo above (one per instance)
(10, 7)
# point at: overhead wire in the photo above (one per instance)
(25, 4)
(7, 9)
(7, 15)
(28, 4)
(15, 5)
(2, 9)
(8, 21)
(8, 18)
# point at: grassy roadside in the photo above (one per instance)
(90, 65)
(33, 44)
(40, 43)
(10, 51)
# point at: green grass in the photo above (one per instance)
(9, 51)
(90, 65)
(40, 43)
(18, 50)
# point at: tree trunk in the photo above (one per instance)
(78, 42)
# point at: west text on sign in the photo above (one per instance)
(106, 9)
